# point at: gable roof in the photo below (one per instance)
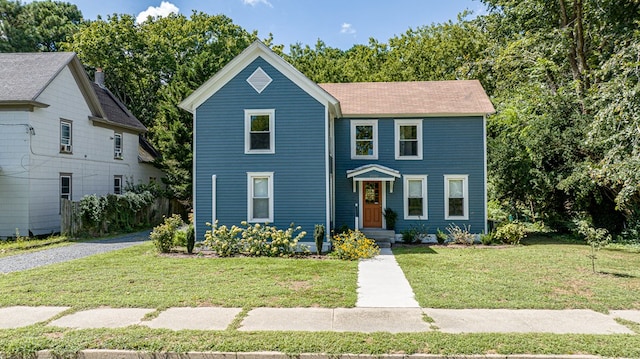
(23, 77)
(430, 98)
(248, 55)
(116, 113)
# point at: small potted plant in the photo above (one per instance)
(390, 216)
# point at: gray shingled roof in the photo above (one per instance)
(115, 111)
(23, 76)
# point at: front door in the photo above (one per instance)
(371, 204)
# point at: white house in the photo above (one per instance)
(61, 136)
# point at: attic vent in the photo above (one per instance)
(259, 80)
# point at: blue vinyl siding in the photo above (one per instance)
(450, 146)
(298, 164)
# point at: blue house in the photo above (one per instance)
(270, 145)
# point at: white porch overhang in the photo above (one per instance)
(373, 172)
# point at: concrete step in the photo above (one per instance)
(381, 236)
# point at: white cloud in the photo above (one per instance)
(164, 9)
(347, 29)
(256, 2)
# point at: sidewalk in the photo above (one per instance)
(393, 320)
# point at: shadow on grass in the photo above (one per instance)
(400, 249)
(618, 275)
(542, 238)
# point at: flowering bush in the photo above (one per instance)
(461, 235)
(163, 235)
(254, 240)
(510, 233)
(223, 240)
(353, 245)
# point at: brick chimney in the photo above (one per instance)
(99, 77)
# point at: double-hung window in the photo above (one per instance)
(260, 196)
(117, 184)
(117, 145)
(364, 139)
(65, 186)
(408, 139)
(415, 197)
(456, 201)
(259, 131)
(65, 137)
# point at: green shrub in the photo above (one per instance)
(441, 237)
(461, 235)
(163, 235)
(510, 233)
(486, 238)
(191, 238)
(223, 240)
(415, 233)
(254, 240)
(353, 245)
(390, 217)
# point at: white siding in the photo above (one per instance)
(91, 164)
(14, 166)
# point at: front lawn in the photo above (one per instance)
(543, 273)
(139, 277)
(11, 247)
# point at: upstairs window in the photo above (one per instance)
(456, 190)
(260, 196)
(65, 137)
(408, 139)
(259, 131)
(117, 146)
(364, 139)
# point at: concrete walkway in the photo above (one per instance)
(392, 320)
(382, 284)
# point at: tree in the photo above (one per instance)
(154, 65)
(36, 26)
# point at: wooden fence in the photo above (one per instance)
(71, 215)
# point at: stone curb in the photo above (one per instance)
(130, 354)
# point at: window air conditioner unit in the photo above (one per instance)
(65, 148)
(118, 154)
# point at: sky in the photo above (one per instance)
(339, 23)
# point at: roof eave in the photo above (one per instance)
(22, 105)
(414, 115)
(106, 121)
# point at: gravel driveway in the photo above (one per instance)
(45, 257)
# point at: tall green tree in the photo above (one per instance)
(36, 26)
(154, 65)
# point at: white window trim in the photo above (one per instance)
(418, 124)
(70, 177)
(250, 177)
(425, 197)
(247, 130)
(465, 193)
(117, 152)
(115, 178)
(66, 147)
(374, 124)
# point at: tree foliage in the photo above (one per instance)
(562, 74)
(36, 26)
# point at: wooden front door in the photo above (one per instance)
(372, 204)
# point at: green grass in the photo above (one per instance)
(26, 341)
(8, 248)
(542, 274)
(138, 277)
